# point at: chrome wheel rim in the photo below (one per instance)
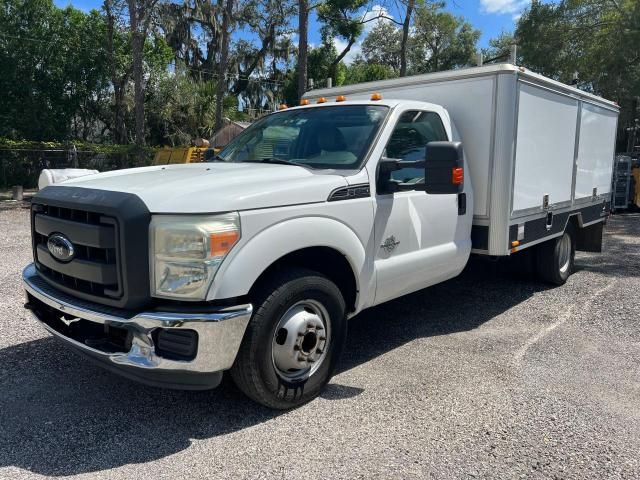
(564, 253)
(301, 340)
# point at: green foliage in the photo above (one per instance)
(341, 18)
(66, 75)
(437, 41)
(499, 47)
(54, 71)
(181, 108)
(320, 61)
(382, 45)
(360, 72)
(441, 41)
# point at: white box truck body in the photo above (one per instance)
(253, 261)
(534, 146)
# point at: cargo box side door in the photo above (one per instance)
(545, 149)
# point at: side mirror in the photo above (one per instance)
(444, 168)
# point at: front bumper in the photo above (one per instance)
(127, 342)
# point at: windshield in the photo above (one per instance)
(334, 137)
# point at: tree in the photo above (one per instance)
(268, 19)
(405, 29)
(139, 19)
(382, 45)
(441, 40)
(54, 71)
(303, 45)
(323, 64)
(499, 48)
(342, 19)
(119, 65)
(181, 108)
(222, 64)
(359, 72)
(406, 24)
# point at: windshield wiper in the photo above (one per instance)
(277, 161)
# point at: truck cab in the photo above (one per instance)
(253, 261)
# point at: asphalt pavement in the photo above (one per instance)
(489, 375)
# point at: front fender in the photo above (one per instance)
(251, 258)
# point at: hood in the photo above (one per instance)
(216, 187)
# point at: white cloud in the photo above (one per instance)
(376, 12)
(503, 6)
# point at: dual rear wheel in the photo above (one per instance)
(555, 258)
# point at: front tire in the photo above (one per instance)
(293, 341)
(555, 258)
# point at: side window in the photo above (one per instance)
(409, 139)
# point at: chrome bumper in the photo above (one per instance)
(219, 334)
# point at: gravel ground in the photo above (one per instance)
(484, 376)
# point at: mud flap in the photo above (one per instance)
(589, 239)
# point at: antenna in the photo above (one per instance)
(514, 53)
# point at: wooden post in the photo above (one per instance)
(17, 192)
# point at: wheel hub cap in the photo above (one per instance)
(300, 340)
(564, 253)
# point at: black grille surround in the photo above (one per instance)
(109, 231)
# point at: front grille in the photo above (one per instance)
(110, 236)
(95, 268)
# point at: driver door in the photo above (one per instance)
(415, 232)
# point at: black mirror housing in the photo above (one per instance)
(444, 168)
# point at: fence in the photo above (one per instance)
(22, 166)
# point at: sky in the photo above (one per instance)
(491, 17)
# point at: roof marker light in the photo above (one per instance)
(283, 106)
(376, 96)
(340, 98)
(321, 100)
(304, 101)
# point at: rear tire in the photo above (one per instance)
(555, 258)
(293, 341)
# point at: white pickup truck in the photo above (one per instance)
(253, 262)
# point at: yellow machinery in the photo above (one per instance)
(168, 155)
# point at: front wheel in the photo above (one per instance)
(555, 258)
(293, 341)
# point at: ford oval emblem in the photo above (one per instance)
(60, 247)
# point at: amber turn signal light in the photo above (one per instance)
(457, 176)
(222, 242)
(340, 98)
(321, 100)
(304, 101)
(376, 96)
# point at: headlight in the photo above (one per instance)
(186, 252)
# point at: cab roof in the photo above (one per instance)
(391, 103)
